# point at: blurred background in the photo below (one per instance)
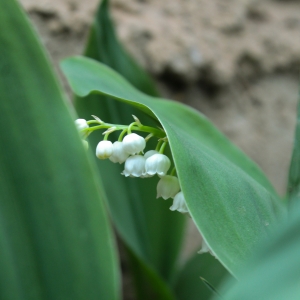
(237, 61)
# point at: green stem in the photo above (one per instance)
(158, 145)
(156, 132)
(122, 135)
(162, 148)
(106, 136)
(130, 126)
(173, 172)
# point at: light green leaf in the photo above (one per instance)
(274, 272)
(55, 239)
(229, 198)
(142, 221)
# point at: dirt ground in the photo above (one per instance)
(237, 61)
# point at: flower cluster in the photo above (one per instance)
(129, 149)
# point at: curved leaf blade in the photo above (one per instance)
(54, 233)
(274, 272)
(229, 198)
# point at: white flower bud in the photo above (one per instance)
(133, 143)
(104, 149)
(168, 187)
(157, 163)
(81, 124)
(179, 203)
(134, 166)
(118, 155)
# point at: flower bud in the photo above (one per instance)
(104, 149)
(133, 143)
(134, 166)
(157, 164)
(118, 155)
(81, 124)
(179, 203)
(168, 187)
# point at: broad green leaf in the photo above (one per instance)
(274, 273)
(142, 221)
(229, 198)
(188, 284)
(55, 239)
(294, 173)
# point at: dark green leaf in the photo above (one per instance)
(229, 198)
(55, 239)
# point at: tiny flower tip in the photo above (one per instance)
(98, 119)
(110, 130)
(136, 120)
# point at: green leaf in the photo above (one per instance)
(294, 173)
(142, 221)
(188, 284)
(274, 272)
(55, 239)
(229, 198)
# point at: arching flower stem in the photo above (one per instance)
(158, 145)
(131, 125)
(122, 135)
(173, 172)
(162, 148)
(106, 136)
(156, 132)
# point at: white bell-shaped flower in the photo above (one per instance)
(147, 155)
(179, 203)
(157, 164)
(134, 166)
(104, 149)
(150, 153)
(168, 187)
(133, 143)
(81, 124)
(118, 155)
